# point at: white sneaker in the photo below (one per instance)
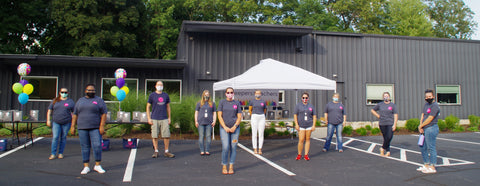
(421, 168)
(429, 171)
(85, 170)
(99, 169)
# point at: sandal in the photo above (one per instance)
(382, 152)
(202, 153)
(230, 170)
(224, 170)
(260, 151)
(207, 153)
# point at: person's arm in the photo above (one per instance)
(220, 119)
(102, 124)
(325, 116)
(314, 122)
(214, 119)
(295, 122)
(49, 112)
(237, 123)
(425, 123)
(169, 113)
(196, 121)
(74, 122)
(375, 113)
(250, 108)
(344, 120)
(148, 114)
(395, 119)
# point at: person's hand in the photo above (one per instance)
(49, 124)
(150, 122)
(213, 124)
(313, 128)
(72, 131)
(101, 130)
(169, 121)
(420, 130)
(196, 124)
(394, 128)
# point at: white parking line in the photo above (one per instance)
(460, 141)
(127, 177)
(19, 147)
(267, 161)
(403, 155)
(372, 146)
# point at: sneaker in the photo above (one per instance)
(429, 171)
(99, 169)
(51, 157)
(155, 155)
(298, 157)
(60, 156)
(168, 154)
(340, 150)
(324, 150)
(306, 157)
(421, 168)
(85, 170)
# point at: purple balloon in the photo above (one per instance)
(23, 82)
(120, 82)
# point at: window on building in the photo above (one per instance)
(375, 93)
(448, 94)
(172, 87)
(281, 96)
(44, 87)
(107, 83)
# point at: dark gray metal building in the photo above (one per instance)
(364, 66)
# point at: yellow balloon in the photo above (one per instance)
(125, 88)
(28, 89)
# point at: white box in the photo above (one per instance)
(126, 117)
(143, 117)
(119, 116)
(136, 116)
(17, 116)
(33, 115)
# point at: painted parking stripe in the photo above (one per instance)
(372, 146)
(403, 154)
(127, 177)
(267, 161)
(19, 147)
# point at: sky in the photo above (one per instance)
(474, 5)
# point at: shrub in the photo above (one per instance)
(375, 131)
(474, 120)
(243, 130)
(114, 132)
(318, 123)
(451, 121)
(473, 129)
(130, 104)
(361, 131)
(5, 132)
(458, 128)
(368, 127)
(184, 113)
(281, 124)
(42, 131)
(442, 125)
(347, 130)
(269, 131)
(412, 124)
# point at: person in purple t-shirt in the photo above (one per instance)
(257, 109)
(428, 126)
(304, 118)
(205, 119)
(160, 118)
(229, 115)
(90, 113)
(336, 119)
(61, 110)
(387, 115)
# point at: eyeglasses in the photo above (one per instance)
(304, 97)
(63, 92)
(229, 92)
(90, 90)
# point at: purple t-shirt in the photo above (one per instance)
(305, 114)
(335, 112)
(386, 112)
(229, 110)
(89, 112)
(159, 105)
(205, 113)
(431, 110)
(62, 111)
(258, 106)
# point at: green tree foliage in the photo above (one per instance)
(452, 19)
(408, 18)
(313, 13)
(365, 16)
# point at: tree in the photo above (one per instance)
(99, 28)
(408, 18)
(23, 25)
(313, 13)
(452, 19)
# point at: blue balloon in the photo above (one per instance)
(121, 95)
(23, 98)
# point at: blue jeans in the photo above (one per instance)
(229, 145)
(429, 151)
(338, 132)
(59, 132)
(90, 138)
(204, 135)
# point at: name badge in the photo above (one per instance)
(206, 114)
(306, 118)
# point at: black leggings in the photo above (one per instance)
(387, 136)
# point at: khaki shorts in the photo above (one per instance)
(162, 126)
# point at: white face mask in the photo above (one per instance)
(64, 95)
(159, 88)
(229, 96)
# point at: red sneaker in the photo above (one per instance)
(298, 157)
(306, 157)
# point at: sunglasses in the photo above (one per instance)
(304, 97)
(229, 92)
(63, 92)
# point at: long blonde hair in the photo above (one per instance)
(202, 101)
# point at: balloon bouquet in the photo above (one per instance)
(23, 88)
(120, 91)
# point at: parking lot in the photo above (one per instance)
(359, 164)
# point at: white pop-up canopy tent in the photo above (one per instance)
(273, 74)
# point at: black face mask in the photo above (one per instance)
(91, 95)
(429, 100)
